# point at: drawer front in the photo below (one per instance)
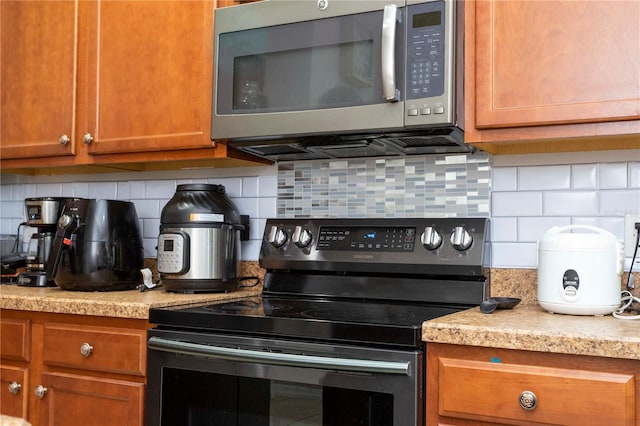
(14, 390)
(105, 349)
(482, 391)
(15, 339)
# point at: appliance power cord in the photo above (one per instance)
(628, 299)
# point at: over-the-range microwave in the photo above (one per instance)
(311, 79)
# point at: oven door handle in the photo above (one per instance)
(279, 358)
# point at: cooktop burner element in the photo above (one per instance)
(361, 281)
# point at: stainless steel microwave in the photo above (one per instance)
(305, 79)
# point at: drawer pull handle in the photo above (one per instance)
(86, 349)
(14, 388)
(528, 400)
(40, 391)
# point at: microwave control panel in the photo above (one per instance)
(425, 50)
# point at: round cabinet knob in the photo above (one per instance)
(301, 237)
(64, 139)
(86, 349)
(87, 138)
(461, 239)
(14, 388)
(277, 237)
(431, 239)
(40, 391)
(528, 400)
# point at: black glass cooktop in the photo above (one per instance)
(357, 322)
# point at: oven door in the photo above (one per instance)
(205, 379)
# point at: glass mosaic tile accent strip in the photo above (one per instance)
(421, 186)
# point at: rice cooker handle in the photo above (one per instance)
(619, 246)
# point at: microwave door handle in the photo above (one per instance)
(389, 90)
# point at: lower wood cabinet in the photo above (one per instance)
(61, 369)
(477, 386)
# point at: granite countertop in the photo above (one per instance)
(122, 304)
(529, 327)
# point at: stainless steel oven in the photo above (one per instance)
(335, 337)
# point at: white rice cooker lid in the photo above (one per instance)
(596, 239)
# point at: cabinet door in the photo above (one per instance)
(37, 78)
(14, 391)
(556, 62)
(149, 76)
(83, 400)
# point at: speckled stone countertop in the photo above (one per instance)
(529, 327)
(120, 304)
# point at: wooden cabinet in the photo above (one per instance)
(107, 83)
(552, 76)
(474, 386)
(72, 368)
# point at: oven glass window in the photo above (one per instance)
(203, 399)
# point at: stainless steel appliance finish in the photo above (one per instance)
(335, 337)
(199, 240)
(339, 78)
(42, 213)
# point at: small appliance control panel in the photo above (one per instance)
(421, 244)
(173, 253)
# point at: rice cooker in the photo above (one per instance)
(579, 273)
(199, 240)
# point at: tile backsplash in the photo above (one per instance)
(523, 195)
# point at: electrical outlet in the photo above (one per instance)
(630, 234)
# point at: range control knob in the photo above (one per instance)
(431, 239)
(277, 236)
(301, 237)
(461, 239)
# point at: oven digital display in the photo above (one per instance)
(383, 239)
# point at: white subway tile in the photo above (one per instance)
(563, 203)
(247, 206)
(250, 186)
(615, 225)
(257, 228)
(232, 186)
(123, 190)
(6, 192)
(588, 221)
(504, 179)
(48, 190)
(619, 202)
(516, 204)
(544, 178)
(102, 190)
(514, 255)
(634, 174)
(531, 229)
(160, 188)
(267, 186)
(504, 229)
(149, 245)
(613, 175)
(81, 190)
(250, 250)
(147, 209)
(584, 176)
(150, 228)
(138, 190)
(267, 208)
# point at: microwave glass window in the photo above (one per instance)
(337, 64)
(197, 399)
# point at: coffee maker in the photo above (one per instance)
(43, 214)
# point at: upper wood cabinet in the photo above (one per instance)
(552, 75)
(106, 82)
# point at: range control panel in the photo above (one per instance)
(446, 246)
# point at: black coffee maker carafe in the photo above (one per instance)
(43, 214)
(97, 246)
